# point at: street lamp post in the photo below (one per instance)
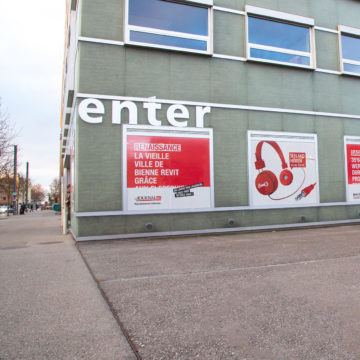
(27, 185)
(15, 176)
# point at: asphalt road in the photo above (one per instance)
(275, 295)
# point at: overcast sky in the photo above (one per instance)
(31, 57)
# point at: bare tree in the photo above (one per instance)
(55, 188)
(37, 193)
(7, 135)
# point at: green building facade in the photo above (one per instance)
(209, 116)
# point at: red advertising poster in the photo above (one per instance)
(352, 169)
(353, 163)
(168, 172)
(283, 169)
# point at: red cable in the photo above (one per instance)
(285, 197)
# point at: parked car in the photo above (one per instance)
(4, 209)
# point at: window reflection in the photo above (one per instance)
(280, 42)
(352, 68)
(350, 47)
(171, 16)
(272, 33)
(281, 57)
(168, 40)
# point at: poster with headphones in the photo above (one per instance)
(283, 169)
(352, 168)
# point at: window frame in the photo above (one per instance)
(285, 18)
(207, 4)
(350, 32)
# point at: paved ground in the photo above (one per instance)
(291, 295)
(50, 306)
(276, 295)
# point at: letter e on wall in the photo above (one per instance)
(177, 112)
(91, 106)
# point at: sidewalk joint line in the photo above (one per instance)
(242, 268)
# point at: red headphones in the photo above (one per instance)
(266, 182)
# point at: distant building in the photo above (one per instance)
(210, 116)
(4, 198)
(6, 190)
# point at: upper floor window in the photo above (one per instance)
(350, 50)
(279, 38)
(166, 24)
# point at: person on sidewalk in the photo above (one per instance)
(68, 202)
(22, 209)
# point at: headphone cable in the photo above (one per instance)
(285, 197)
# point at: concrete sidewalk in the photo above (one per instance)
(50, 306)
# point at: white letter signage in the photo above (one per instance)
(174, 113)
(96, 108)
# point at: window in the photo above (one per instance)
(170, 25)
(279, 38)
(350, 50)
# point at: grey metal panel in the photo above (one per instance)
(327, 50)
(226, 35)
(102, 19)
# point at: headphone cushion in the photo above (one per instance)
(286, 177)
(266, 182)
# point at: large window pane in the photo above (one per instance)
(171, 16)
(277, 34)
(168, 40)
(281, 57)
(350, 47)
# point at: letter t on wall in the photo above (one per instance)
(152, 107)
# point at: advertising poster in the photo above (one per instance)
(283, 169)
(352, 156)
(167, 168)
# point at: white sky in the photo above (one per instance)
(31, 57)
